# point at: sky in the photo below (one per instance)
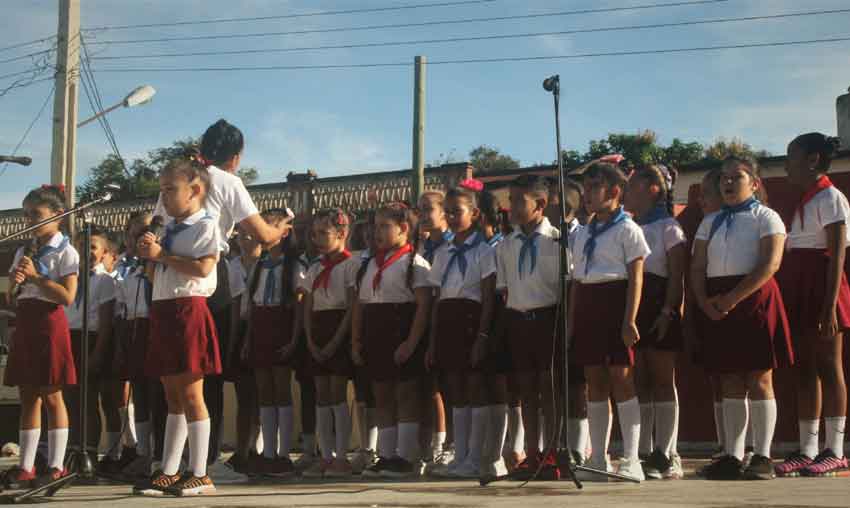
(346, 121)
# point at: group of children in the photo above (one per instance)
(447, 317)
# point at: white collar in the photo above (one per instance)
(55, 240)
(194, 218)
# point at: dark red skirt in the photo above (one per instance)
(182, 339)
(653, 296)
(802, 280)
(134, 339)
(324, 324)
(385, 327)
(458, 320)
(234, 367)
(271, 329)
(41, 347)
(532, 339)
(754, 336)
(598, 327)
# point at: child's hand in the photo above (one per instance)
(329, 350)
(148, 247)
(404, 352)
(631, 336)
(723, 303)
(357, 353)
(661, 326)
(828, 323)
(19, 277)
(711, 310)
(27, 268)
(315, 350)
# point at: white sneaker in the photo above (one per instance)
(632, 469)
(748, 457)
(468, 469)
(221, 473)
(587, 476)
(496, 469)
(675, 472)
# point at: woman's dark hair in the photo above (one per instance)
(290, 257)
(221, 142)
(821, 144)
(51, 196)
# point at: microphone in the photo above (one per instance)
(552, 84)
(29, 251)
(23, 161)
(111, 188)
(157, 228)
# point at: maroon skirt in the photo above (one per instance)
(498, 361)
(802, 280)
(385, 327)
(458, 320)
(271, 329)
(41, 347)
(134, 339)
(598, 326)
(653, 296)
(754, 336)
(182, 339)
(325, 324)
(532, 339)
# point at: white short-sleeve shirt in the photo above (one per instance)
(228, 201)
(102, 289)
(480, 264)
(259, 296)
(342, 278)
(615, 249)
(61, 261)
(132, 297)
(201, 239)
(540, 287)
(735, 251)
(828, 206)
(393, 287)
(661, 236)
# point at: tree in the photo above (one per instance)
(735, 147)
(486, 159)
(248, 175)
(680, 153)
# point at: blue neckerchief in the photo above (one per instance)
(595, 230)
(529, 246)
(40, 267)
(432, 246)
(656, 214)
(495, 239)
(727, 215)
(147, 286)
(267, 263)
(127, 265)
(171, 231)
(306, 261)
(459, 256)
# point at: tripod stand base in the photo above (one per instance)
(79, 466)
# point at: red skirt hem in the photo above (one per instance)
(183, 339)
(41, 353)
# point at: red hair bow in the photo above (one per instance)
(60, 187)
(200, 159)
(472, 184)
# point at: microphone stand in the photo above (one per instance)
(79, 461)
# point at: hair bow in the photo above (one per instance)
(472, 184)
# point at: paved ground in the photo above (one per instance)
(784, 493)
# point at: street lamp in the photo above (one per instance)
(139, 96)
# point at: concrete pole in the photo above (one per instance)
(418, 176)
(64, 154)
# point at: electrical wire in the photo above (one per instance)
(29, 128)
(481, 37)
(23, 44)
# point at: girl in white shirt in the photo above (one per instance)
(649, 198)
(388, 326)
(743, 324)
(183, 345)
(40, 361)
(817, 299)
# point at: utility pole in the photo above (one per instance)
(64, 155)
(418, 176)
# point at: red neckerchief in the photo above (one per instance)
(383, 264)
(323, 280)
(822, 183)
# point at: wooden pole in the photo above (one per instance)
(418, 176)
(64, 153)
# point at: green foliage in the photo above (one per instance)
(486, 159)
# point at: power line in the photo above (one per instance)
(297, 15)
(28, 55)
(413, 25)
(483, 60)
(27, 132)
(480, 37)
(22, 44)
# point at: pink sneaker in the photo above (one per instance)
(793, 465)
(826, 464)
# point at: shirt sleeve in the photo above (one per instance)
(634, 243)
(834, 209)
(241, 204)
(237, 278)
(770, 224)
(704, 228)
(18, 255)
(206, 242)
(487, 262)
(421, 268)
(105, 290)
(501, 274)
(69, 262)
(435, 274)
(673, 235)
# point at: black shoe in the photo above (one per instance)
(398, 467)
(156, 485)
(725, 468)
(760, 468)
(377, 468)
(656, 465)
(577, 457)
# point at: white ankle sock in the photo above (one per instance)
(497, 430)
(29, 446)
(629, 413)
(342, 426)
(113, 445)
(57, 442)
(128, 425)
(325, 431)
(666, 416)
(408, 441)
(176, 431)
(461, 423)
(834, 426)
(268, 425)
(599, 417)
(143, 438)
(516, 429)
(438, 440)
(578, 434)
(285, 425)
(719, 424)
(476, 433)
(646, 424)
(387, 442)
(763, 416)
(199, 446)
(735, 425)
(809, 437)
(372, 438)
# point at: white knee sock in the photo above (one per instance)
(515, 429)
(29, 446)
(128, 426)
(599, 418)
(57, 442)
(666, 416)
(285, 426)
(735, 424)
(461, 423)
(751, 438)
(268, 425)
(199, 446)
(438, 440)
(113, 445)
(720, 424)
(325, 431)
(387, 442)
(834, 426)
(176, 431)
(342, 425)
(809, 437)
(408, 441)
(476, 434)
(578, 435)
(309, 441)
(629, 413)
(497, 429)
(143, 438)
(763, 416)
(372, 438)
(646, 424)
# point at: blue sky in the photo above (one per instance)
(353, 121)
